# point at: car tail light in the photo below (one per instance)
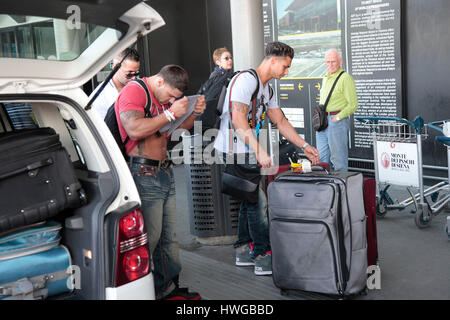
(133, 253)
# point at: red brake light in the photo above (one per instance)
(136, 263)
(132, 224)
(133, 254)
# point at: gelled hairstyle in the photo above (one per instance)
(278, 49)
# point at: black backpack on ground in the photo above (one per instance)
(111, 120)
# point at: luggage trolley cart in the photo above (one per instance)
(397, 146)
(443, 127)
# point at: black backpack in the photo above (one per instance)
(212, 89)
(254, 95)
(111, 120)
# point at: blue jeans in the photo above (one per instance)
(332, 144)
(253, 223)
(156, 188)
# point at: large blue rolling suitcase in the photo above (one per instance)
(33, 265)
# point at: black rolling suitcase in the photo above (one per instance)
(37, 178)
(318, 232)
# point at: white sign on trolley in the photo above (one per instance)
(397, 163)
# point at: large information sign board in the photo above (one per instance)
(367, 32)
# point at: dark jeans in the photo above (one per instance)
(156, 188)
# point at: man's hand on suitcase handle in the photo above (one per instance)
(264, 159)
(312, 154)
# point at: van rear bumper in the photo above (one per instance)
(141, 289)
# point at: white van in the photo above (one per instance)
(48, 50)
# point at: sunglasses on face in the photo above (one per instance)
(132, 75)
(228, 58)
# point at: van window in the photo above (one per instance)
(20, 115)
(31, 37)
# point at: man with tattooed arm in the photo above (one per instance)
(151, 169)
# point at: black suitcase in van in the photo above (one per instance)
(37, 178)
(318, 232)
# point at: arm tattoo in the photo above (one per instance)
(127, 115)
(240, 107)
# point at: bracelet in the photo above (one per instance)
(168, 115)
(197, 114)
(305, 146)
(173, 116)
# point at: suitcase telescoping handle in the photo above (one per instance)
(316, 168)
(321, 168)
(31, 169)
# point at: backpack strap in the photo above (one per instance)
(270, 92)
(252, 100)
(254, 95)
(148, 104)
(149, 101)
(332, 89)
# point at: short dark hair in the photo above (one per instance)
(175, 76)
(130, 53)
(279, 49)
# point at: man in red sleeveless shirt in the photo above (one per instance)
(151, 170)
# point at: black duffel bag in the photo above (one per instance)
(319, 118)
(241, 181)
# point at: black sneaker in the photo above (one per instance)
(182, 294)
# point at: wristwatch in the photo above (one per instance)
(304, 146)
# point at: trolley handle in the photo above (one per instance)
(417, 125)
(444, 140)
(435, 126)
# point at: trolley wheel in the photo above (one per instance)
(381, 208)
(419, 218)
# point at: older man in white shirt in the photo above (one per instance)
(128, 71)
